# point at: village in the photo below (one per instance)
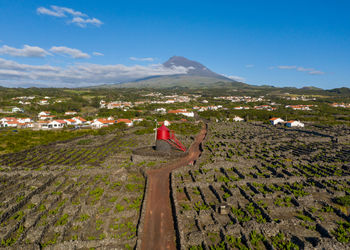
(14, 116)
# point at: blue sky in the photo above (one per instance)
(82, 42)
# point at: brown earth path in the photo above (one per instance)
(158, 230)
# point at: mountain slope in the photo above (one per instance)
(194, 68)
(197, 76)
(185, 81)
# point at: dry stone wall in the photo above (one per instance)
(278, 187)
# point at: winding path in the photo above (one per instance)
(158, 231)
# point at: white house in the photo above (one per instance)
(294, 124)
(128, 122)
(79, 120)
(42, 113)
(136, 120)
(7, 119)
(166, 123)
(15, 110)
(57, 124)
(102, 104)
(10, 124)
(70, 121)
(24, 120)
(43, 102)
(42, 124)
(237, 119)
(188, 114)
(114, 105)
(182, 112)
(46, 117)
(170, 101)
(99, 123)
(275, 121)
(29, 125)
(70, 113)
(160, 110)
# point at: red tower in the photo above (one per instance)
(163, 133)
(166, 139)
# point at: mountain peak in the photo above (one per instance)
(194, 68)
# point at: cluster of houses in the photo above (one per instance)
(116, 104)
(300, 107)
(265, 107)
(299, 98)
(42, 123)
(206, 108)
(46, 121)
(292, 123)
(181, 112)
(16, 122)
(176, 98)
(340, 105)
(170, 99)
(241, 98)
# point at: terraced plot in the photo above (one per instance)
(258, 186)
(72, 195)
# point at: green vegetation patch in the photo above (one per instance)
(344, 200)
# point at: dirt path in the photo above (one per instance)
(158, 231)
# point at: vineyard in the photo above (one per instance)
(257, 186)
(83, 193)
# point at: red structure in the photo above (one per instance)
(164, 134)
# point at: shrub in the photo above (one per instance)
(344, 200)
(85, 142)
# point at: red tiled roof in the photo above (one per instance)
(79, 118)
(60, 121)
(105, 121)
(124, 120)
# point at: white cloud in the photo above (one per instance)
(142, 59)
(12, 65)
(77, 17)
(97, 54)
(78, 75)
(249, 65)
(310, 71)
(236, 78)
(45, 11)
(316, 72)
(81, 22)
(63, 10)
(286, 67)
(26, 51)
(74, 53)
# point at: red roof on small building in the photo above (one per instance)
(124, 120)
